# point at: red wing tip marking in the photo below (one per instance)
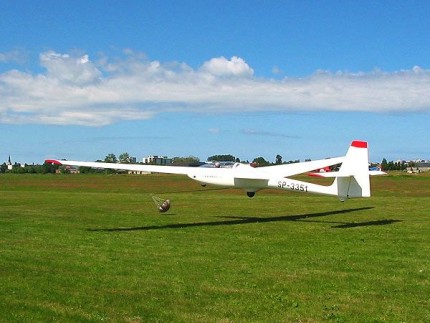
(359, 144)
(53, 162)
(315, 175)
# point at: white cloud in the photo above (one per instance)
(221, 66)
(76, 90)
(73, 70)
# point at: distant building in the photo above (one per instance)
(9, 164)
(423, 166)
(138, 172)
(68, 169)
(158, 160)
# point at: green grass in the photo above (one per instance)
(94, 248)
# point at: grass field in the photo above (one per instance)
(92, 248)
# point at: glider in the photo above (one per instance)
(351, 181)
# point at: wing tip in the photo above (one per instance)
(53, 162)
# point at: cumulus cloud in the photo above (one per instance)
(74, 70)
(221, 66)
(74, 89)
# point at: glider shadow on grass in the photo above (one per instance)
(238, 220)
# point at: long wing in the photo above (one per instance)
(130, 167)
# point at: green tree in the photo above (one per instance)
(293, 161)
(111, 158)
(260, 162)
(222, 158)
(384, 164)
(186, 161)
(49, 168)
(278, 159)
(124, 158)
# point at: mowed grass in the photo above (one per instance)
(92, 248)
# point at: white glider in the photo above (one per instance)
(352, 179)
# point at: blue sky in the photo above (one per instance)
(82, 79)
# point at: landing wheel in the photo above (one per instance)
(250, 194)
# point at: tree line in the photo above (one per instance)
(401, 165)
(29, 169)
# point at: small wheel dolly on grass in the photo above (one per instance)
(162, 204)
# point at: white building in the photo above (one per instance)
(158, 160)
(9, 164)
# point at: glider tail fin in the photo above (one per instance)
(353, 178)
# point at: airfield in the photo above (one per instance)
(94, 248)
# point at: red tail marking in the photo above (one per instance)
(359, 144)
